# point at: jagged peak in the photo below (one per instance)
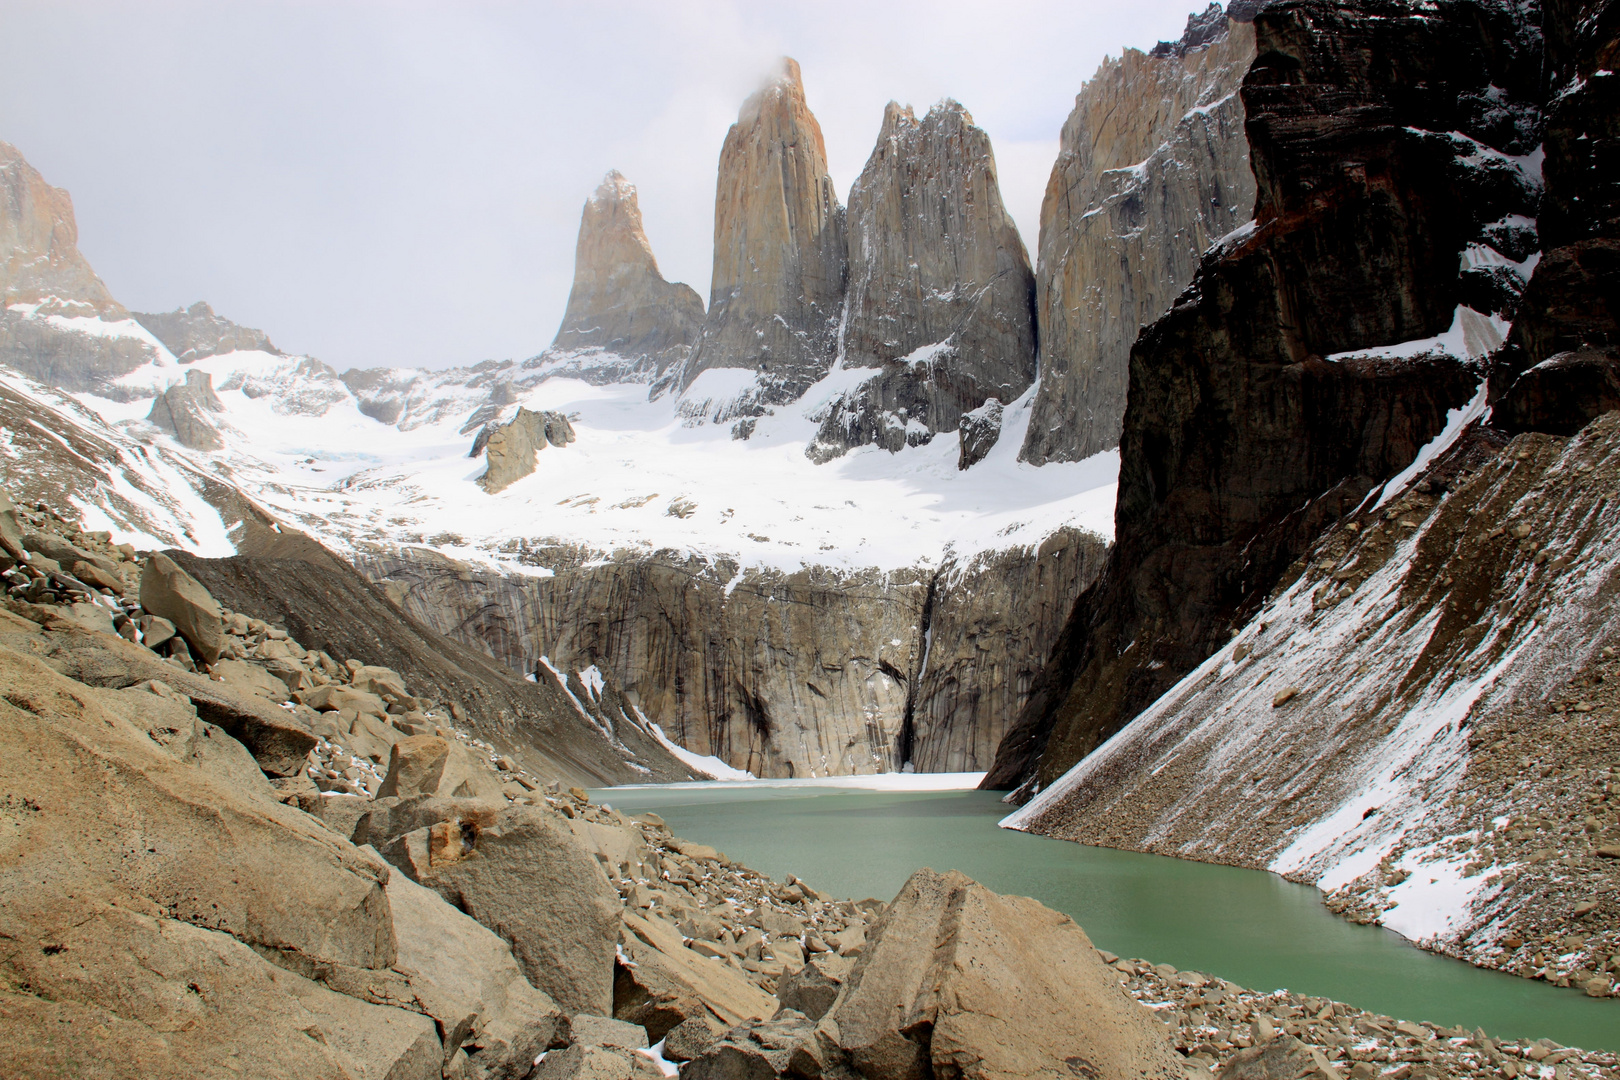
(614, 188)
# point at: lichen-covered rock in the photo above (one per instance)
(941, 295)
(779, 252)
(620, 304)
(1152, 167)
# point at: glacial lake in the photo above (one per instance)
(1247, 926)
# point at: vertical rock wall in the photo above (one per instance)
(815, 672)
(941, 294)
(779, 250)
(620, 303)
(1152, 168)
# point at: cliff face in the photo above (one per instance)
(1383, 142)
(195, 332)
(781, 674)
(1561, 366)
(940, 290)
(620, 304)
(39, 242)
(779, 249)
(58, 322)
(1152, 168)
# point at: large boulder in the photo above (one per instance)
(157, 897)
(787, 1045)
(169, 592)
(429, 765)
(962, 982)
(11, 534)
(661, 984)
(463, 975)
(523, 873)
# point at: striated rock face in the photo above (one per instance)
(509, 448)
(941, 295)
(195, 332)
(1152, 168)
(781, 674)
(1382, 143)
(779, 250)
(620, 304)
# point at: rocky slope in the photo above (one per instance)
(779, 259)
(621, 310)
(1262, 408)
(806, 674)
(1152, 168)
(940, 297)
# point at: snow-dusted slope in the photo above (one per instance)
(1418, 721)
(638, 478)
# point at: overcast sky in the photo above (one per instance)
(400, 183)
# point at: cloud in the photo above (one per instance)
(400, 183)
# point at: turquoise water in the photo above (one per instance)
(1247, 926)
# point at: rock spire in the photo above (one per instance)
(1152, 167)
(620, 303)
(779, 252)
(941, 294)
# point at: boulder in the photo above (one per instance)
(11, 534)
(665, 984)
(583, 1029)
(689, 1038)
(960, 981)
(250, 679)
(155, 631)
(1283, 1058)
(159, 898)
(145, 996)
(791, 1044)
(173, 594)
(810, 990)
(596, 1063)
(182, 411)
(429, 765)
(277, 739)
(92, 574)
(522, 873)
(335, 698)
(64, 553)
(978, 434)
(464, 976)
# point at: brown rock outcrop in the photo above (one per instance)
(1241, 444)
(620, 303)
(779, 251)
(170, 593)
(941, 295)
(509, 449)
(182, 410)
(1152, 167)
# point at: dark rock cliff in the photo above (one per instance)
(196, 332)
(1385, 139)
(1561, 366)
